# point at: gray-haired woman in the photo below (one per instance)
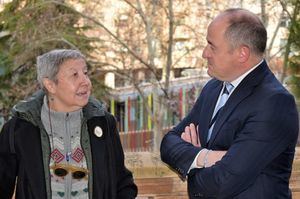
(61, 143)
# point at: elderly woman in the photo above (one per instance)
(61, 143)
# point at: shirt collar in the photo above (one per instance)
(238, 80)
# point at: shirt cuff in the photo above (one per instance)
(194, 164)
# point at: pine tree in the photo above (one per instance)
(29, 28)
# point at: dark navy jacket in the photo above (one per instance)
(258, 127)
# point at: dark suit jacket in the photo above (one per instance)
(258, 127)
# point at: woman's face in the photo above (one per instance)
(72, 89)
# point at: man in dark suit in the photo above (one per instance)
(247, 121)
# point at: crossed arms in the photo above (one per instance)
(260, 140)
(205, 157)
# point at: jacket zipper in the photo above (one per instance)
(68, 148)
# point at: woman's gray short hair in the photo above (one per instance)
(48, 64)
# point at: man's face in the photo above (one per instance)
(221, 59)
(73, 87)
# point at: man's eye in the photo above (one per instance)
(75, 74)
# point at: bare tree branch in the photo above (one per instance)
(170, 45)
(140, 11)
(284, 7)
(273, 37)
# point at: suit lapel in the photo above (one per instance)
(208, 110)
(244, 89)
(230, 105)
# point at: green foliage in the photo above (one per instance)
(294, 84)
(29, 28)
(293, 81)
(100, 91)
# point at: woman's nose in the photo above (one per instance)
(85, 78)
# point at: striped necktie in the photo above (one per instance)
(224, 97)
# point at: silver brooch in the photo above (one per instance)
(98, 131)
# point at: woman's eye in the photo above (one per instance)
(75, 74)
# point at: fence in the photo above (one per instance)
(137, 141)
(140, 140)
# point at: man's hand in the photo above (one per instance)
(206, 158)
(191, 135)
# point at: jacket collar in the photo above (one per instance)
(30, 109)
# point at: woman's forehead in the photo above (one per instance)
(73, 64)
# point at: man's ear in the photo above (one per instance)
(49, 85)
(244, 54)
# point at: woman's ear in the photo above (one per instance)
(49, 85)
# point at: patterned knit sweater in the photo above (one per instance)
(64, 135)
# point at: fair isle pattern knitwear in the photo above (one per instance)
(65, 149)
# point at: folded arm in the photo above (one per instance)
(206, 157)
(265, 134)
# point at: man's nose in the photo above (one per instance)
(205, 53)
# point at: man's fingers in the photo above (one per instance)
(191, 135)
(183, 136)
(198, 135)
(187, 134)
(194, 136)
(186, 137)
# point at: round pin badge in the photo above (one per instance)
(98, 131)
